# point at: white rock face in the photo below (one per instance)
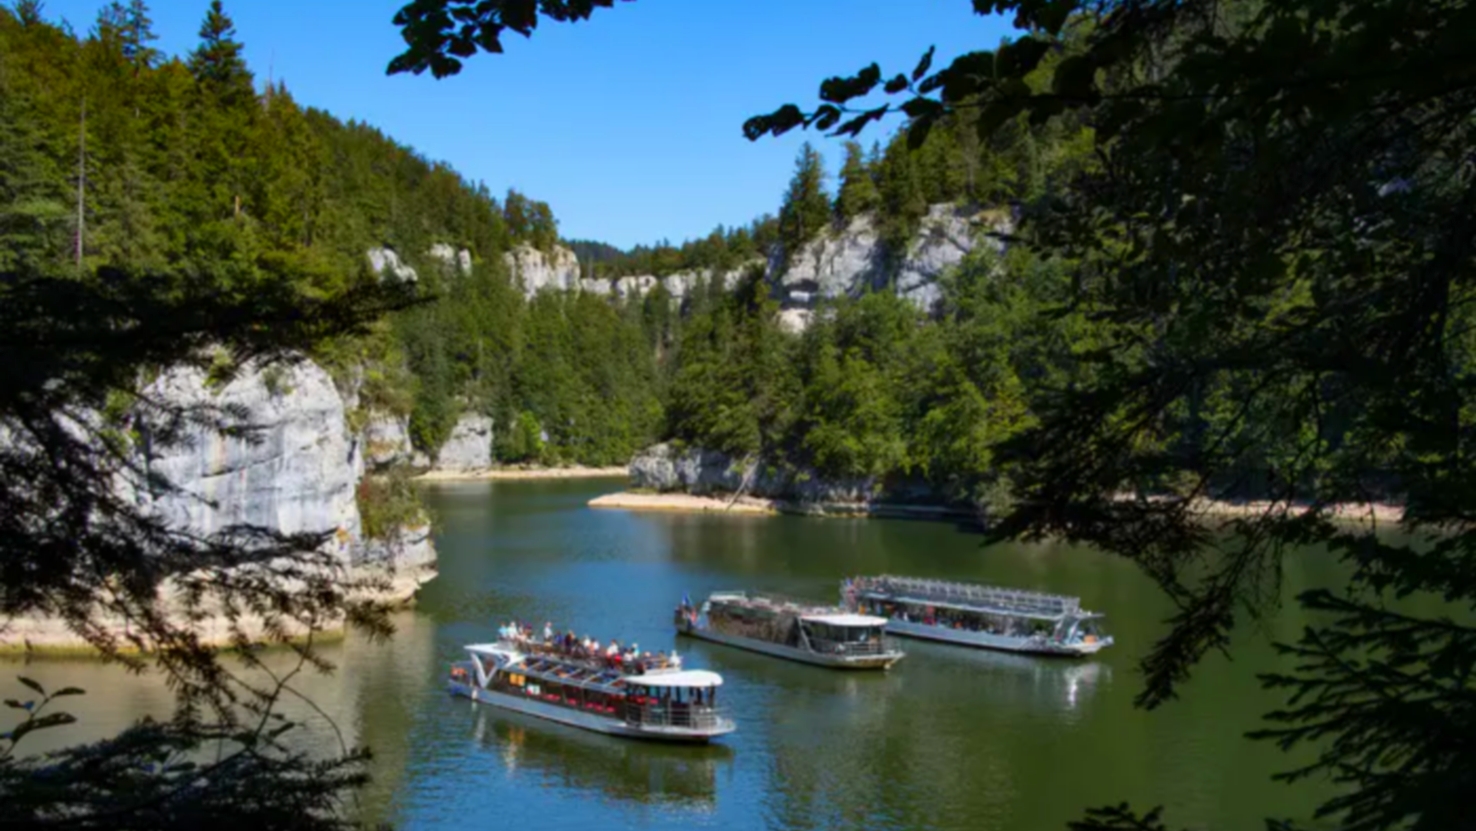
(536, 271)
(469, 447)
(593, 285)
(452, 258)
(833, 265)
(297, 477)
(637, 286)
(948, 235)
(297, 472)
(386, 440)
(707, 472)
(384, 262)
(851, 262)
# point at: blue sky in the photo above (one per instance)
(628, 124)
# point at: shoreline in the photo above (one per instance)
(758, 506)
(500, 473)
(677, 502)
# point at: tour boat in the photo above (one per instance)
(826, 636)
(988, 617)
(641, 700)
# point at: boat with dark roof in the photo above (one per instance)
(989, 617)
(811, 633)
(643, 700)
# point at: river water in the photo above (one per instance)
(948, 739)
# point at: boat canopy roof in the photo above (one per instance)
(971, 597)
(492, 650)
(681, 678)
(846, 620)
(775, 604)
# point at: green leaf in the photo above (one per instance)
(840, 90)
(32, 684)
(46, 721)
(896, 85)
(68, 691)
(1074, 77)
(825, 117)
(16, 705)
(924, 64)
(922, 108)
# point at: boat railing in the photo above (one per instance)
(681, 716)
(593, 660)
(1005, 600)
(875, 646)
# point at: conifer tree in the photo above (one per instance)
(217, 63)
(903, 197)
(858, 193)
(806, 207)
(138, 33)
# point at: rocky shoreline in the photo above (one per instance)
(751, 505)
(667, 477)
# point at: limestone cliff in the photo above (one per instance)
(844, 262)
(536, 270)
(667, 468)
(470, 446)
(296, 472)
(852, 261)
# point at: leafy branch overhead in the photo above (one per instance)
(992, 85)
(439, 33)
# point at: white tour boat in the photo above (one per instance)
(826, 636)
(642, 701)
(988, 617)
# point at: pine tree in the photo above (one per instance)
(29, 11)
(138, 33)
(858, 192)
(217, 63)
(903, 196)
(806, 208)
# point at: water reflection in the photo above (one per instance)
(639, 772)
(1055, 684)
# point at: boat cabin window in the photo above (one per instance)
(844, 634)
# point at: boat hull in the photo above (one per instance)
(589, 721)
(882, 661)
(987, 640)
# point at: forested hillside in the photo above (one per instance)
(876, 388)
(112, 154)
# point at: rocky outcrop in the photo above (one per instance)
(384, 262)
(835, 264)
(665, 468)
(948, 235)
(853, 261)
(296, 469)
(469, 447)
(295, 474)
(452, 259)
(386, 441)
(536, 271)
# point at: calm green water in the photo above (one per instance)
(949, 739)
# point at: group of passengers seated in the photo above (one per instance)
(627, 660)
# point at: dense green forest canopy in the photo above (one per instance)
(113, 155)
